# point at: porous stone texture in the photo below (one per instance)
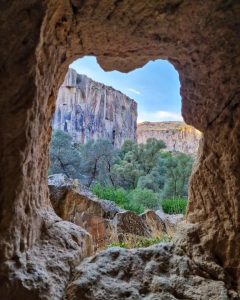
(177, 136)
(89, 110)
(155, 273)
(40, 39)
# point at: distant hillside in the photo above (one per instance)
(177, 136)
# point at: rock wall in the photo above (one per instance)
(103, 219)
(41, 39)
(177, 136)
(87, 109)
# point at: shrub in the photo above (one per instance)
(117, 195)
(144, 198)
(174, 206)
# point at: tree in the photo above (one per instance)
(136, 160)
(64, 157)
(98, 158)
(144, 198)
(177, 169)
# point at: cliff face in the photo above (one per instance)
(177, 136)
(87, 109)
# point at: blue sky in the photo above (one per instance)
(155, 87)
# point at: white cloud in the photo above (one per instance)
(159, 116)
(134, 91)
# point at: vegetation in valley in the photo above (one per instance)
(136, 177)
(140, 242)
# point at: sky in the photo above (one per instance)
(155, 87)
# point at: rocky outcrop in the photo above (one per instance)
(106, 222)
(127, 224)
(73, 202)
(177, 136)
(41, 39)
(87, 109)
(158, 272)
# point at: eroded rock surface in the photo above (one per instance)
(78, 205)
(106, 222)
(40, 39)
(177, 136)
(87, 109)
(154, 273)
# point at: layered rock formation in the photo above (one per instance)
(87, 109)
(41, 39)
(177, 136)
(102, 219)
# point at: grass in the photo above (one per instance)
(140, 242)
(174, 206)
(117, 195)
(138, 200)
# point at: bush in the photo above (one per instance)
(117, 195)
(136, 200)
(144, 198)
(174, 206)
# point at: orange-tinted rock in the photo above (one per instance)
(40, 39)
(82, 208)
(128, 223)
(177, 136)
(155, 225)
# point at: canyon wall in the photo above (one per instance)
(177, 136)
(87, 109)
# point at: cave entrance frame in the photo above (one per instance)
(193, 36)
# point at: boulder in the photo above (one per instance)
(77, 204)
(127, 225)
(158, 272)
(171, 221)
(156, 226)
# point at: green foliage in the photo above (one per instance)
(176, 170)
(98, 158)
(136, 177)
(144, 198)
(64, 157)
(141, 242)
(174, 206)
(136, 160)
(117, 195)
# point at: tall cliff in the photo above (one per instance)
(177, 136)
(87, 109)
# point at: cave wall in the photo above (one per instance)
(90, 110)
(40, 39)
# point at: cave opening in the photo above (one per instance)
(121, 137)
(39, 252)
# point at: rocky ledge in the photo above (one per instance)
(177, 136)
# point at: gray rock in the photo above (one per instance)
(87, 109)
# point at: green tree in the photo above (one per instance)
(64, 157)
(136, 160)
(144, 198)
(98, 158)
(177, 169)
